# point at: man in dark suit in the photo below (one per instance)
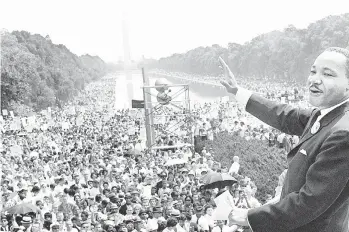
(316, 188)
(4, 224)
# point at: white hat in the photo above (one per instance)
(26, 219)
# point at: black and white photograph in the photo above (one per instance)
(174, 116)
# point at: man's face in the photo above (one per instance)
(129, 210)
(40, 205)
(85, 227)
(75, 222)
(60, 217)
(130, 226)
(327, 81)
(220, 223)
(177, 206)
(157, 214)
(64, 198)
(144, 216)
(83, 217)
(98, 228)
(23, 194)
(35, 227)
(114, 210)
(4, 222)
(69, 224)
(152, 202)
(123, 229)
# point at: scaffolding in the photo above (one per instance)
(157, 114)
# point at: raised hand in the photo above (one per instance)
(230, 82)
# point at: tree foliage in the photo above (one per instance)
(286, 54)
(258, 161)
(37, 73)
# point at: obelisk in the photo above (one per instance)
(127, 61)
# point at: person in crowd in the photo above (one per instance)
(234, 169)
(206, 221)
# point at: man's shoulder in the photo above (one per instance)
(340, 126)
(343, 122)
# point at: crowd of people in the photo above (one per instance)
(223, 115)
(85, 167)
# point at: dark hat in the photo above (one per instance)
(175, 213)
(175, 194)
(143, 211)
(199, 208)
(163, 174)
(22, 190)
(48, 214)
(129, 221)
(35, 189)
(56, 226)
(157, 209)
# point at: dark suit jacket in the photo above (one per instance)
(316, 189)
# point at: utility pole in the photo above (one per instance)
(149, 119)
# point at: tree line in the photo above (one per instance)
(284, 55)
(36, 74)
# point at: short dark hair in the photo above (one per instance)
(344, 52)
(208, 207)
(171, 222)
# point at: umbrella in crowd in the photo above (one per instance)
(23, 208)
(217, 180)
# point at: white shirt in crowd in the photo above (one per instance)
(234, 168)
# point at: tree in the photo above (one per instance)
(37, 73)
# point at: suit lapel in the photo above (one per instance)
(332, 115)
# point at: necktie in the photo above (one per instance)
(311, 124)
(316, 126)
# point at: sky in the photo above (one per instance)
(158, 28)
